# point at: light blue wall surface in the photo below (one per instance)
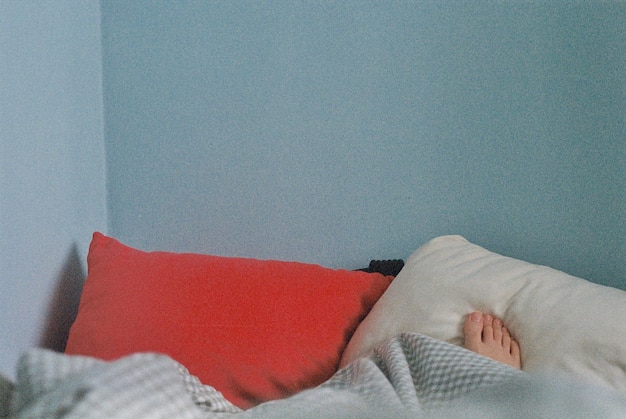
(52, 175)
(338, 132)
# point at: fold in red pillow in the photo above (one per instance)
(255, 330)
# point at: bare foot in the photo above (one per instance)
(487, 336)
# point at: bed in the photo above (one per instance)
(161, 334)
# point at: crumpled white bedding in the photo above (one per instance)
(411, 375)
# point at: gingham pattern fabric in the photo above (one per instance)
(440, 372)
(409, 376)
(51, 385)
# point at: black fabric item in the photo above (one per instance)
(386, 267)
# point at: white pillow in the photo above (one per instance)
(562, 323)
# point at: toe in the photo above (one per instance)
(497, 330)
(487, 328)
(506, 338)
(473, 329)
(516, 354)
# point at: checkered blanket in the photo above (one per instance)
(409, 376)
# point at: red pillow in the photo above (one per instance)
(255, 330)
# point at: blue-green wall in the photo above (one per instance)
(335, 132)
(330, 132)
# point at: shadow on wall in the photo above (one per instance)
(64, 304)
